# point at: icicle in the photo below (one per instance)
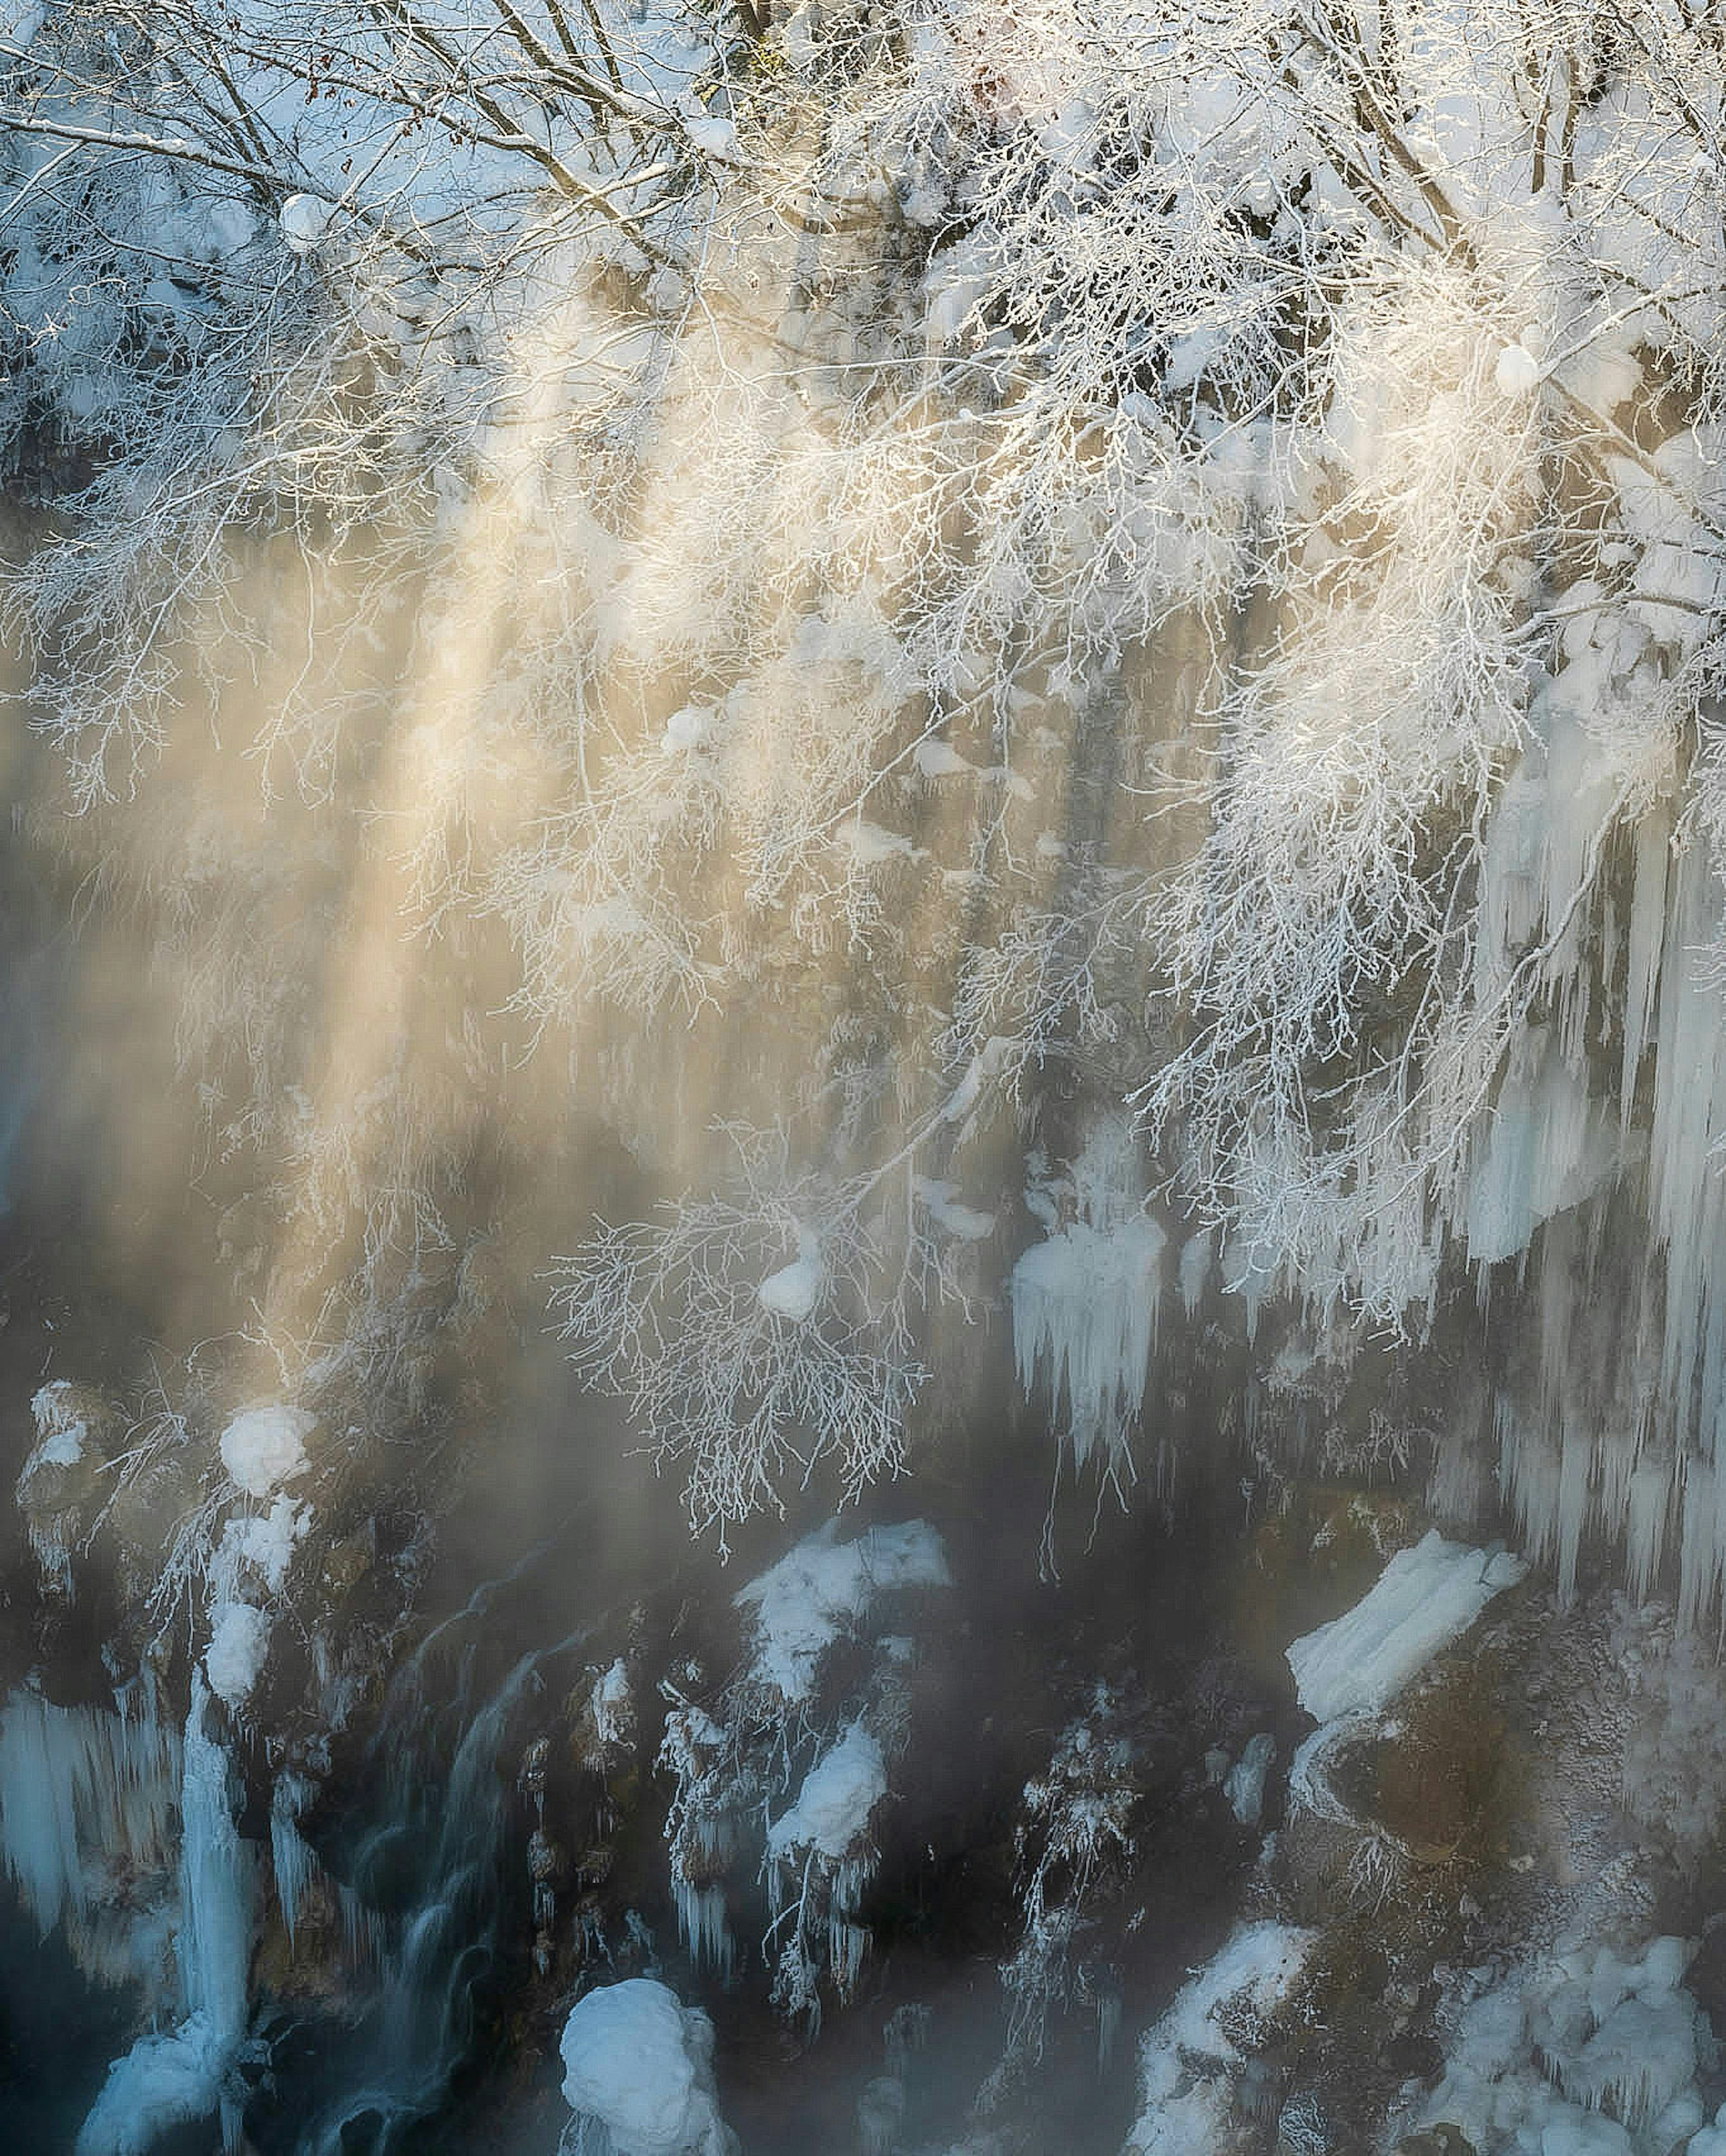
(1647, 919)
(701, 1924)
(1194, 1270)
(1085, 1311)
(81, 1789)
(292, 1856)
(165, 2082)
(216, 1882)
(1546, 1148)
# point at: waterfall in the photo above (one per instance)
(446, 1940)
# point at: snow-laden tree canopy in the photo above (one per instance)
(963, 565)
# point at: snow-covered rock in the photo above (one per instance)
(264, 1446)
(838, 1794)
(1186, 2060)
(638, 2066)
(239, 1641)
(822, 1588)
(1424, 1598)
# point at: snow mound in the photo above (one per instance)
(265, 1446)
(1424, 1598)
(821, 1588)
(838, 1794)
(638, 2066)
(239, 1640)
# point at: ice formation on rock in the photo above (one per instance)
(1085, 1299)
(1591, 2054)
(84, 1792)
(170, 2080)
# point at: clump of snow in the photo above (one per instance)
(940, 1201)
(822, 1588)
(794, 1290)
(62, 1424)
(1517, 372)
(265, 1446)
(239, 1641)
(266, 1543)
(1186, 2061)
(939, 759)
(687, 728)
(838, 1794)
(638, 2066)
(613, 1705)
(1424, 1598)
(712, 137)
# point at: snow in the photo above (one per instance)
(266, 1543)
(60, 1426)
(712, 137)
(239, 1642)
(822, 1588)
(1424, 1598)
(265, 1446)
(1184, 2099)
(613, 1704)
(941, 1201)
(794, 1291)
(688, 728)
(637, 2063)
(939, 759)
(1517, 372)
(1538, 2060)
(163, 2081)
(838, 1794)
